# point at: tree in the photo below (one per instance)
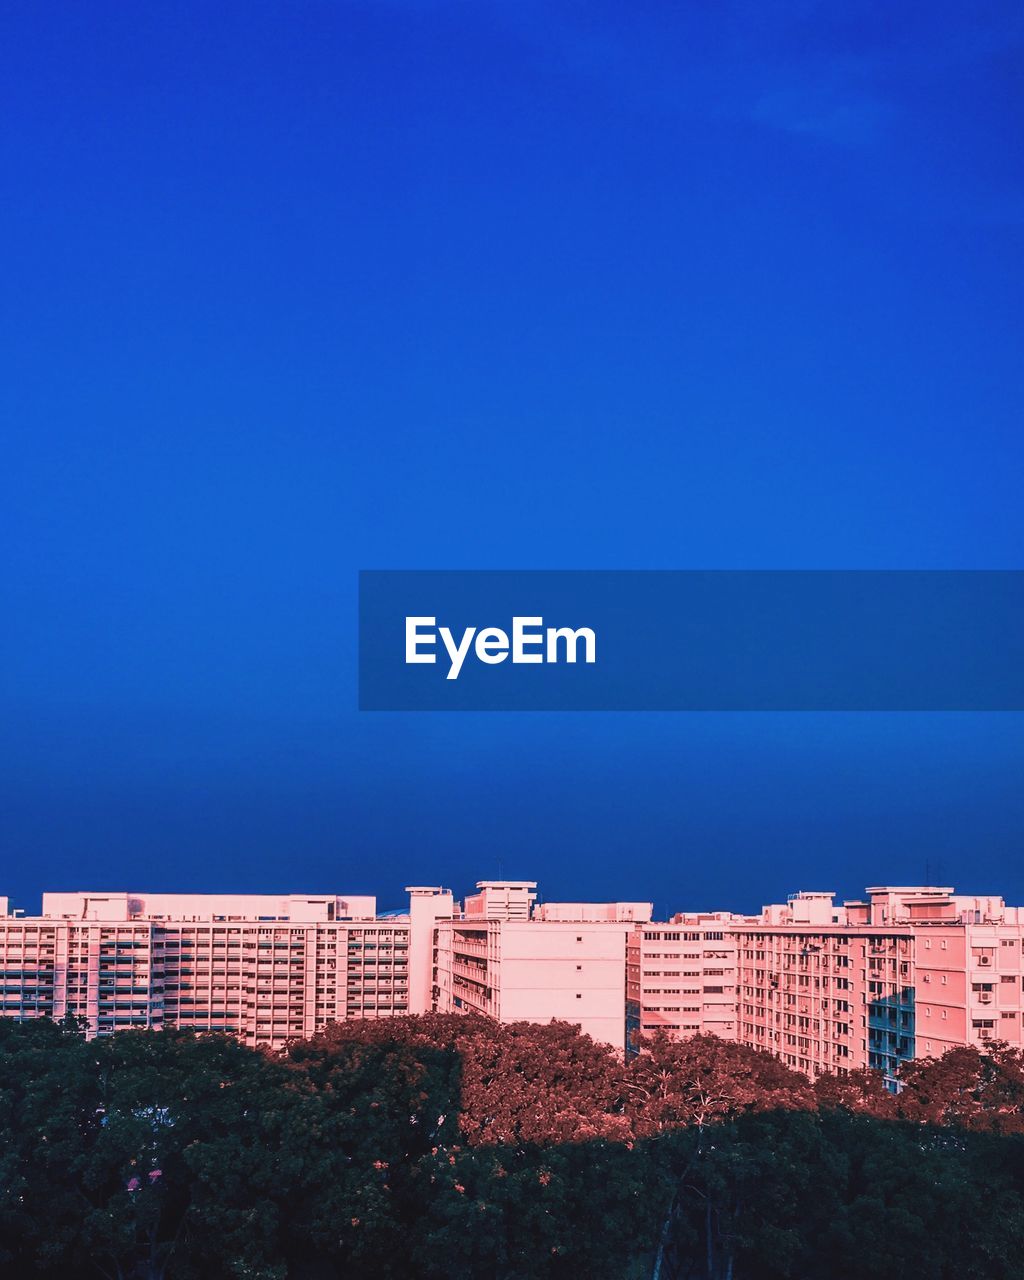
(518, 1082)
(199, 1141)
(451, 1148)
(695, 1083)
(967, 1087)
(49, 1118)
(698, 1081)
(375, 1114)
(860, 1092)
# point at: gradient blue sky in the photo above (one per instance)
(292, 290)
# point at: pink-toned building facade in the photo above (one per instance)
(906, 972)
(909, 971)
(269, 968)
(265, 968)
(801, 995)
(681, 977)
(511, 962)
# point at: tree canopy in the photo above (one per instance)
(451, 1146)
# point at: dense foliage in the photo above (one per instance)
(454, 1147)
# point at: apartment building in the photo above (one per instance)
(908, 972)
(565, 961)
(825, 986)
(681, 977)
(268, 968)
(802, 984)
(967, 965)
(263, 968)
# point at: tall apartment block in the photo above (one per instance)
(908, 972)
(261, 967)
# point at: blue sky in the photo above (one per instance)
(294, 290)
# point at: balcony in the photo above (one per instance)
(476, 973)
(469, 947)
(470, 997)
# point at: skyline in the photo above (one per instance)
(421, 286)
(370, 906)
(899, 973)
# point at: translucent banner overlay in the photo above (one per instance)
(451, 640)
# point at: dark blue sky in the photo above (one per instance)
(293, 290)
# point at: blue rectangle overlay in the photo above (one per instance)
(721, 640)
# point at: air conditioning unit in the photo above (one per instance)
(986, 960)
(985, 997)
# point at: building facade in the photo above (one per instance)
(908, 972)
(827, 987)
(564, 961)
(681, 977)
(265, 969)
(268, 968)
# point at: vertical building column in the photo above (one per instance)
(426, 906)
(60, 972)
(314, 974)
